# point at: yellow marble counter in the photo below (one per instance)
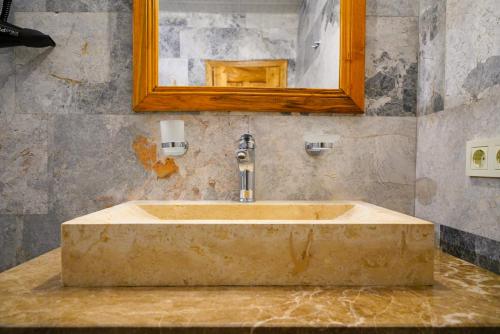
(464, 299)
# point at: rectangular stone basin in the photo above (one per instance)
(163, 243)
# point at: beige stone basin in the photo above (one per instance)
(162, 243)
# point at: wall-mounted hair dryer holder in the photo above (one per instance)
(11, 35)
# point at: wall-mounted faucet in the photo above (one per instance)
(245, 155)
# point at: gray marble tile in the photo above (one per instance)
(89, 6)
(478, 250)
(432, 31)
(203, 19)
(88, 72)
(445, 195)
(254, 44)
(169, 40)
(210, 43)
(392, 7)
(10, 236)
(173, 72)
(373, 160)
(391, 66)
(7, 81)
(292, 68)
(269, 21)
(319, 67)
(196, 72)
(40, 234)
(29, 5)
(23, 237)
(216, 20)
(23, 164)
(72, 6)
(173, 19)
(472, 50)
(113, 175)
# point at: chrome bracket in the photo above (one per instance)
(317, 148)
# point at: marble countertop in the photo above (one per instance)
(464, 299)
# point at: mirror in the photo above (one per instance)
(249, 55)
(248, 43)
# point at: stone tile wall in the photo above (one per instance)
(459, 97)
(187, 39)
(318, 67)
(67, 130)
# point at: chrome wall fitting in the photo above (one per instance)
(182, 147)
(317, 148)
(245, 155)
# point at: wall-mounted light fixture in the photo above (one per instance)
(173, 140)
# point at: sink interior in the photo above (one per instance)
(246, 211)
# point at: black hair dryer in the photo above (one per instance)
(11, 35)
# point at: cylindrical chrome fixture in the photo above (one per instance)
(245, 155)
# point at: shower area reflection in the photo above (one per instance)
(229, 43)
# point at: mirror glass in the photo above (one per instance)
(249, 43)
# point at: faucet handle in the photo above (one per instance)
(241, 154)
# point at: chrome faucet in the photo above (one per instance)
(246, 165)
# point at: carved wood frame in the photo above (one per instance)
(149, 96)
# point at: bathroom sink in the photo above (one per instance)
(164, 243)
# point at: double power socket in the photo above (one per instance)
(483, 157)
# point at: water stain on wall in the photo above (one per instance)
(426, 190)
(145, 151)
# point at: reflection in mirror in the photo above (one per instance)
(249, 43)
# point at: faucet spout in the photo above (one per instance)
(245, 155)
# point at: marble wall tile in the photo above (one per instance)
(392, 7)
(216, 20)
(88, 72)
(373, 160)
(23, 164)
(254, 44)
(431, 74)
(10, 237)
(319, 67)
(225, 36)
(40, 233)
(445, 195)
(391, 66)
(29, 5)
(472, 50)
(7, 81)
(203, 173)
(210, 43)
(174, 72)
(170, 45)
(458, 76)
(231, 6)
(481, 251)
(72, 6)
(196, 72)
(270, 21)
(23, 237)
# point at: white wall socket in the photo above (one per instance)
(483, 158)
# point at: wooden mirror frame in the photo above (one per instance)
(149, 96)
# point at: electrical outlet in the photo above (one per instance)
(483, 158)
(479, 158)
